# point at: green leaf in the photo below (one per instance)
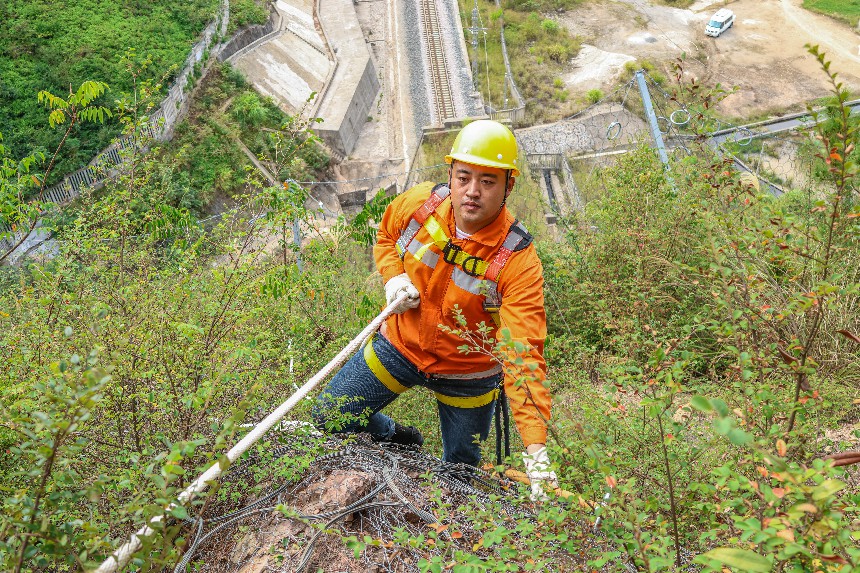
(724, 425)
(721, 407)
(739, 437)
(827, 488)
(701, 404)
(740, 559)
(179, 512)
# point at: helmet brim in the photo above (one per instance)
(482, 161)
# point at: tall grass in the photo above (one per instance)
(845, 10)
(539, 50)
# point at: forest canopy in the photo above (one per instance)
(54, 44)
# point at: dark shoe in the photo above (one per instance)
(406, 435)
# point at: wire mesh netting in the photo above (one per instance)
(566, 155)
(295, 508)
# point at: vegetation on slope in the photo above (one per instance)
(48, 45)
(703, 339)
(128, 253)
(845, 10)
(204, 169)
(227, 113)
(538, 50)
(54, 45)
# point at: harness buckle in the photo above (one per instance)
(450, 252)
(470, 266)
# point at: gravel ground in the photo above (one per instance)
(467, 102)
(407, 75)
(763, 53)
(414, 50)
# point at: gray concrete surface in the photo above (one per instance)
(292, 64)
(348, 100)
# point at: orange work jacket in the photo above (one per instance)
(416, 333)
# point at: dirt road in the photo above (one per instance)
(763, 53)
(840, 41)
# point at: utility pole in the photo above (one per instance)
(475, 30)
(652, 118)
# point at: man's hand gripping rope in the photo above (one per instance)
(402, 285)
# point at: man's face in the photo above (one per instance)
(477, 195)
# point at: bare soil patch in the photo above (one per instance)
(764, 53)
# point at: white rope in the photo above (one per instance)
(123, 554)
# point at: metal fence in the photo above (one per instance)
(515, 115)
(577, 147)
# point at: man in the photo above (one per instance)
(455, 249)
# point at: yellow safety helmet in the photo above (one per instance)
(488, 143)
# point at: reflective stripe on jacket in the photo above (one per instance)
(443, 286)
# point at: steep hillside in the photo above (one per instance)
(54, 44)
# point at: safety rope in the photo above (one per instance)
(122, 555)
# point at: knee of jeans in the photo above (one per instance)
(469, 455)
(323, 411)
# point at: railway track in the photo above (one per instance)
(440, 84)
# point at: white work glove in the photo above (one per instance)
(397, 285)
(539, 473)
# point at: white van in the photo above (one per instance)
(720, 22)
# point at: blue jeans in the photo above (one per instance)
(356, 390)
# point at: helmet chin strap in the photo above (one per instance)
(507, 191)
(507, 188)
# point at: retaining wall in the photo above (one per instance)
(244, 39)
(341, 133)
(353, 87)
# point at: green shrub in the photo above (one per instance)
(846, 10)
(558, 53)
(594, 95)
(249, 109)
(701, 347)
(550, 26)
(247, 13)
(51, 46)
